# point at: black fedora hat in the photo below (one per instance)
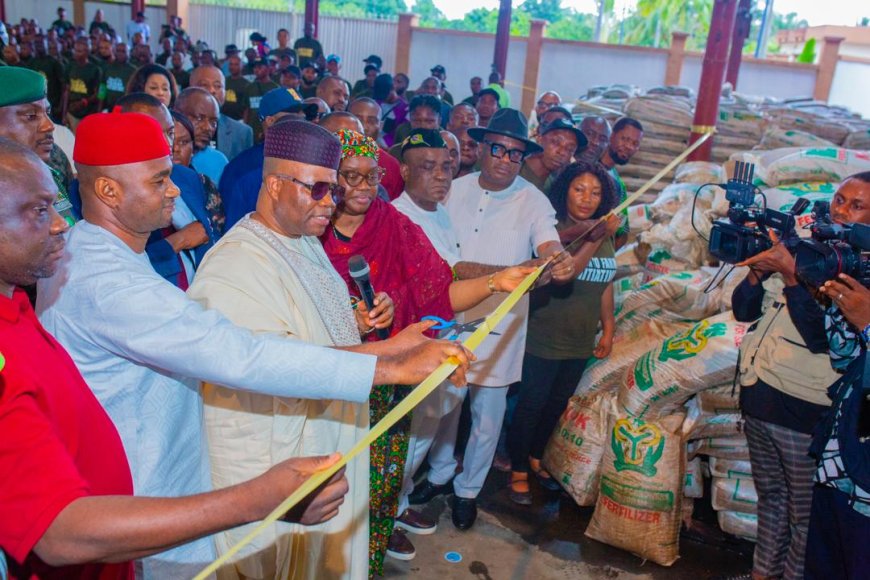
(566, 125)
(510, 123)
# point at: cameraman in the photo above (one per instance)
(784, 373)
(839, 531)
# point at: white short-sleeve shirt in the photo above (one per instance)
(435, 224)
(500, 228)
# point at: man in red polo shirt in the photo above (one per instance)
(66, 490)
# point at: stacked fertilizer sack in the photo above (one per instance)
(649, 422)
(667, 122)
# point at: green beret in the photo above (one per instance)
(430, 138)
(20, 85)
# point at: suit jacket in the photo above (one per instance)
(233, 136)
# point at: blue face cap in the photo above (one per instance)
(279, 101)
(333, 58)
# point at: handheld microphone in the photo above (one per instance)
(359, 271)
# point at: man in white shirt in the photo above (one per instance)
(143, 346)
(138, 25)
(499, 218)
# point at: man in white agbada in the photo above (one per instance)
(143, 346)
(270, 274)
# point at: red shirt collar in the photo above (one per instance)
(11, 309)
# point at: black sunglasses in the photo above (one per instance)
(498, 151)
(318, 189)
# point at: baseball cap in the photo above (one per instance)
(333, 58)
(281, 100)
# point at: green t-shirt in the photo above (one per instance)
(182, 79)
(622, 194)
(254, 92)
(115, 77)
(83, 80)
(532, 177)
(563, 318)
(52, 70)
(307, 49)
(236, 99)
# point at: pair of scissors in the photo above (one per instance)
(458, 329)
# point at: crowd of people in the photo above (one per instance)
(179, 259)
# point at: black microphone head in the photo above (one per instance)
(358, 267)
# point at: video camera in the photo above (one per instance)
(732, 240)
(834, 249)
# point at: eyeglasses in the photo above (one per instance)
(354, 178)
(499, 151)
(318, 189)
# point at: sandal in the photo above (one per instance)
(519, 488)
(544, 478)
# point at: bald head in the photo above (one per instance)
(333, 90)
(202, 109)
(597, 131)
(453, 147)
(369, 114)
(339, 120)
(210, 78)
(322, 108)
(31, 231)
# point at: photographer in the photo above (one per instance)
(839, 530)
(784, 373)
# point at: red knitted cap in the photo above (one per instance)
(119, 139)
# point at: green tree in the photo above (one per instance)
(430, 15)
(549, 10)
(654, 20)
(573, 26)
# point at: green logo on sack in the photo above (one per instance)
(689, 343)
(637, 448)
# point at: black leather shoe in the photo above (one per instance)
(427, 490)
(464, 512)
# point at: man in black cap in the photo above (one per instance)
(307, 48)
(499, 219)
(261, 85)
(375, 60)
(561, 141)
(440, 73)
(308, 86)
(290, 77)
(487, 105)
(364, 87)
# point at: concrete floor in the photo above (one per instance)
(545, 541)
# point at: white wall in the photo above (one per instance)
(758, 78)
(851, 87)
(571, 69)
(464, 56)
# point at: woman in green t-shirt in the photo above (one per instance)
(563, 321)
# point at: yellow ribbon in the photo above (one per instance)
(422, 390)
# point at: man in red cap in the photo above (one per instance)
(143, 346)
(66, 487)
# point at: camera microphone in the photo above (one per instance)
(359, 271)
